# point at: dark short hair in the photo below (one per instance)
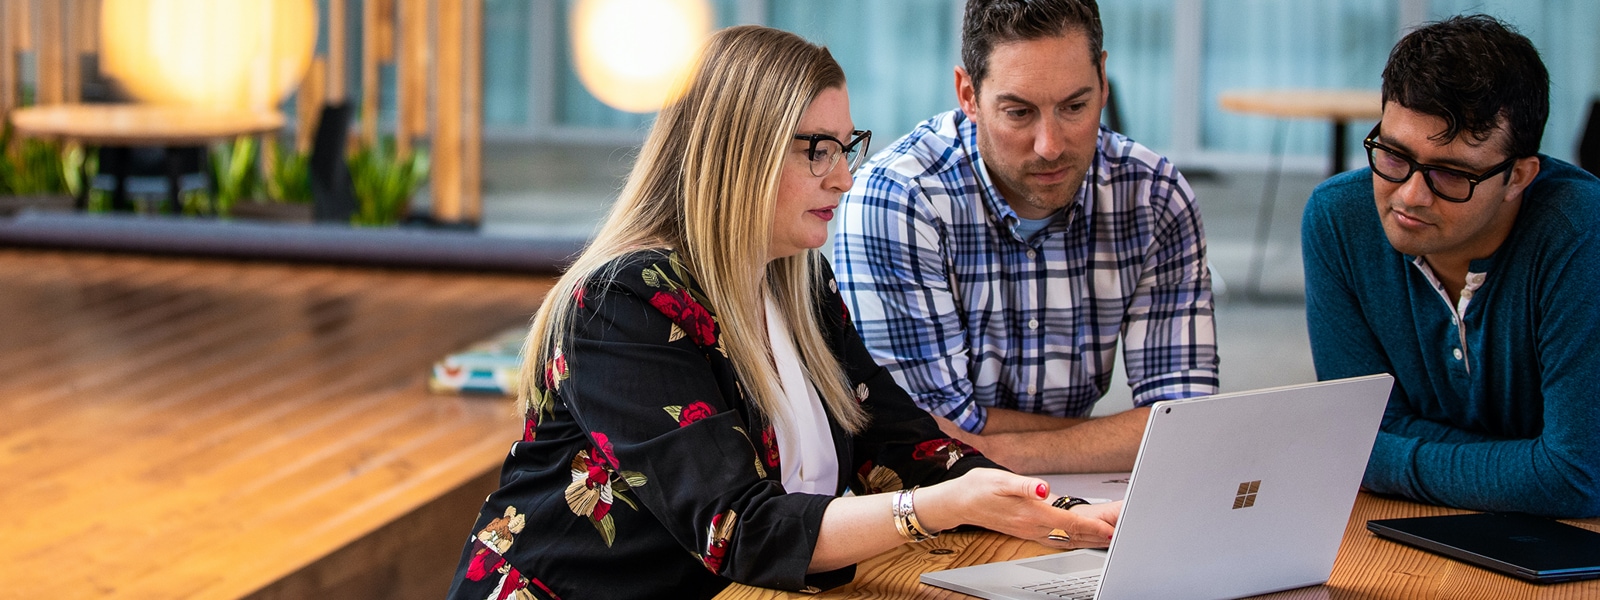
(1472, 71)
(988, 23)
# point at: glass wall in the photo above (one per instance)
(1139, 62)
(1564, 33)
(899, 56)
(1266, 44)
(507, 58)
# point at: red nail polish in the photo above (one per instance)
(1043, 491)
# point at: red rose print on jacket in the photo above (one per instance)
(685, 415)
(484, 562)
(950, 449)
(769, 440)
(695, 320)
(597, 482)
(555, 370)
(718, 539)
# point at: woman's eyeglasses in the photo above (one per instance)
(825, 150)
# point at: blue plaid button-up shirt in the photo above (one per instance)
(967, 315)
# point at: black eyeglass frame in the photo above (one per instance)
(862, 137)
(1412, 166)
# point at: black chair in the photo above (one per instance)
(1111, 115)
(333, 195)
(178, 168)
(1589, 141)
(172, 170)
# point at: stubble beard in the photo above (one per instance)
(1046, 199)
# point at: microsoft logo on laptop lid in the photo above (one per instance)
(1246, 497)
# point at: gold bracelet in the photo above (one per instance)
(905, 517)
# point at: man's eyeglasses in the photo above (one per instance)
(1450, 184)
(825, 150)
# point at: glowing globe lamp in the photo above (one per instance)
(635, 54)
(216, 54)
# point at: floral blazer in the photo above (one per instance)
(645, 472)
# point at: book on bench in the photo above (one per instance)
(487, 367)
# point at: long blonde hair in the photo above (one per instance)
(705, 184)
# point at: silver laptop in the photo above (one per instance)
(1232, 495)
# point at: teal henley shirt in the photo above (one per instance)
(1500, 411)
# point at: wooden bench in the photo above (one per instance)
(194, 428)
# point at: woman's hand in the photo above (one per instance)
(1015, 505)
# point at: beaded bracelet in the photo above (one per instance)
(905, 517)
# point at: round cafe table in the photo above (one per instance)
(1337, 106)
(146, 125)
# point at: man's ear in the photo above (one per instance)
(1105, 81)
(1522, 175)
(966, 92)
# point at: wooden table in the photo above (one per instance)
(1339, 107)
(149, 125)
(186, 428)
(140, 124)
(1366, 567)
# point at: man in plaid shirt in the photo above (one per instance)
(993, 257)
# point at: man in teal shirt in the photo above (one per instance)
(1464, 263)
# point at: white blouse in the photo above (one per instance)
(805, 444)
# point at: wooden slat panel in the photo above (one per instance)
(372, 37)
(414, 56)
(23, 11)
(89, 26)
(447, 143)
(9, 23)
(338, 58)
(51, 73)
(308, 104)
(217, 429)
(72, 50)
(472, 127)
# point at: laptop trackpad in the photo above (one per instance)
(1070, 562)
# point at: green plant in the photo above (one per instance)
(233, 174)
(384, 183)
(35, 167)
(78, 167)
(288, 176)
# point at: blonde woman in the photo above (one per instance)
(697, 400)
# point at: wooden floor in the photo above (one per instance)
(184, 428)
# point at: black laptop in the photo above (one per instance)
(1526, 547)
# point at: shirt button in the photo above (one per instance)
(1032, 254)
(1033, 390)
(1033, 323)
(1457, 354)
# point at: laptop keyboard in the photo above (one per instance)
(1076, 588)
